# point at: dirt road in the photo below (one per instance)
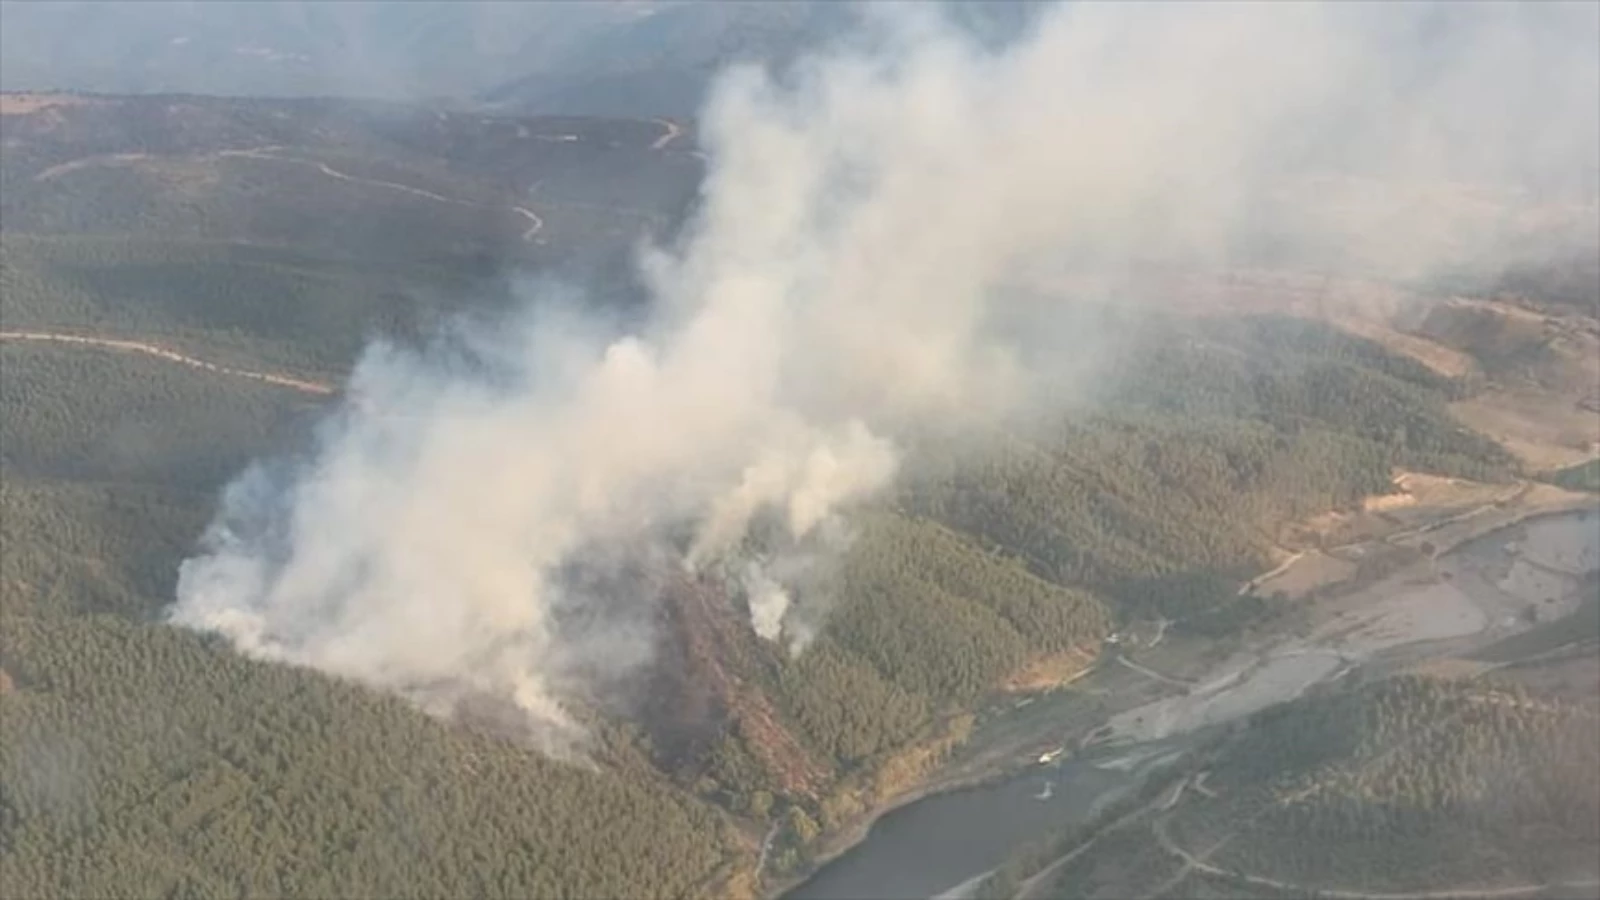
(1199, 864)
(673, 129)
(1191, 862)
(1033, 886)
(271, 153)
(302, 385)
(535, 224)
(1152, 673)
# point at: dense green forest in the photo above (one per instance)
(300, 311)
(1405, 784)
(1160, 502)
(940, 618)
(1427, 782)
(139, 760)
(1214, 435)
(162, 423)
(144, 761)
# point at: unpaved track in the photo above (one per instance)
(304, 386)
(1152, 673)
(673, 129)
(1199, 864)
(1517, 493)
(1272, 573)
(1193, 862)
(535, 224)
(270, 153)
(1033, 886)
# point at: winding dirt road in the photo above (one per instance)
(1198, 863)
(673, 129)
(535, 224)
(1034, 886)
(304, 386)
(270, 153)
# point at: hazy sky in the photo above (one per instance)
(644, 57)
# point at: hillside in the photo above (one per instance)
(613, 57)
(236, 256)
(318, 219)
(251, 249)
(368, 180)
(1408, 787)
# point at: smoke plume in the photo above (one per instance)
(837, 290)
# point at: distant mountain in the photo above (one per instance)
(288, 47)
(662, 63)
(600, 57)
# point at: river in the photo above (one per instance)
(929, 847)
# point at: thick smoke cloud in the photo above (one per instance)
(837, 291)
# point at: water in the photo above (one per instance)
(930, 846)
(926, 848)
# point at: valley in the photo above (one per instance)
(1352, 633)
(1284, 490)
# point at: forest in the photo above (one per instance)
(142, 760)
(957, 580)
(967, 573)
(1402, 784)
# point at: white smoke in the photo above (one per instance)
(768, 602)
(835, 292)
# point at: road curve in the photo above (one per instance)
(271, 153)
(1033, 886)
(302, 385)
(535, 224)
(673, 129)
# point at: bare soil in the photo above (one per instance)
(1544, 430)
(1051, 671)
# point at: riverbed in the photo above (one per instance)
(929, 847)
